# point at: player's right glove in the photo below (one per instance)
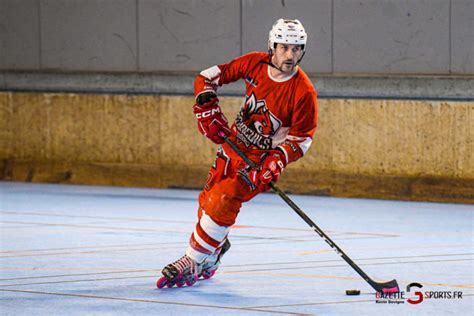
(211, 120)
(272, 167)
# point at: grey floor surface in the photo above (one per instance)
(83, 250)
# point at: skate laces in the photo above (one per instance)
(185, 263)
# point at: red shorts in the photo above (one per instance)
(225, 190)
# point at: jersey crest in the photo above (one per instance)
(256, 124)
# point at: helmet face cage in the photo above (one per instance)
(287, 32)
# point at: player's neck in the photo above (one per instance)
(281, 75)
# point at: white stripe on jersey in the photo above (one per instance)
(280, 136)
(212, 74)
(303, 142)
(286, 154)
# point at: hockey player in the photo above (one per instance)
(274, 127)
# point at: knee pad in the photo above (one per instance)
(222, 207)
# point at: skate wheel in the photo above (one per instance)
(162, 282)
(190, 282)
(180, 284)
(169, 284)
(208, 274)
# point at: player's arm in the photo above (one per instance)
(211, 78)
(211, 120)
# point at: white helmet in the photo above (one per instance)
(287, 32)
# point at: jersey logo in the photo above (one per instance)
(256, 124)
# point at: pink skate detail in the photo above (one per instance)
(391, 290)
(179, 282)
(162, 282)
(182, 272)
(192, 281)
(208, 274)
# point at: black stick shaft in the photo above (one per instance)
(305, 217)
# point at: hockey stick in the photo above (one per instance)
(384, 287)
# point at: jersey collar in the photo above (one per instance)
(286, 78)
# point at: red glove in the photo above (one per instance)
(210, 118)
(272, 168)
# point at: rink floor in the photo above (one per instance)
(76, 250)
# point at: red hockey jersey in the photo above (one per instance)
(279, 113)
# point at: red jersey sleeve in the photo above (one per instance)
(212, 78)
(303, 126)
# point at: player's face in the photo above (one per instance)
(285, 56)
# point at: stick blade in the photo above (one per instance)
(386, 287)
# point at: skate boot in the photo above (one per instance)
(181, 272)
(210, 265)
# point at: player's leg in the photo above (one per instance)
(219, 209)
(208, 237)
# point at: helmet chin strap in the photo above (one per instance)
(272, 64)
(301, 58)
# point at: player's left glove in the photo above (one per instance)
(272, 167)
(212, 123)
